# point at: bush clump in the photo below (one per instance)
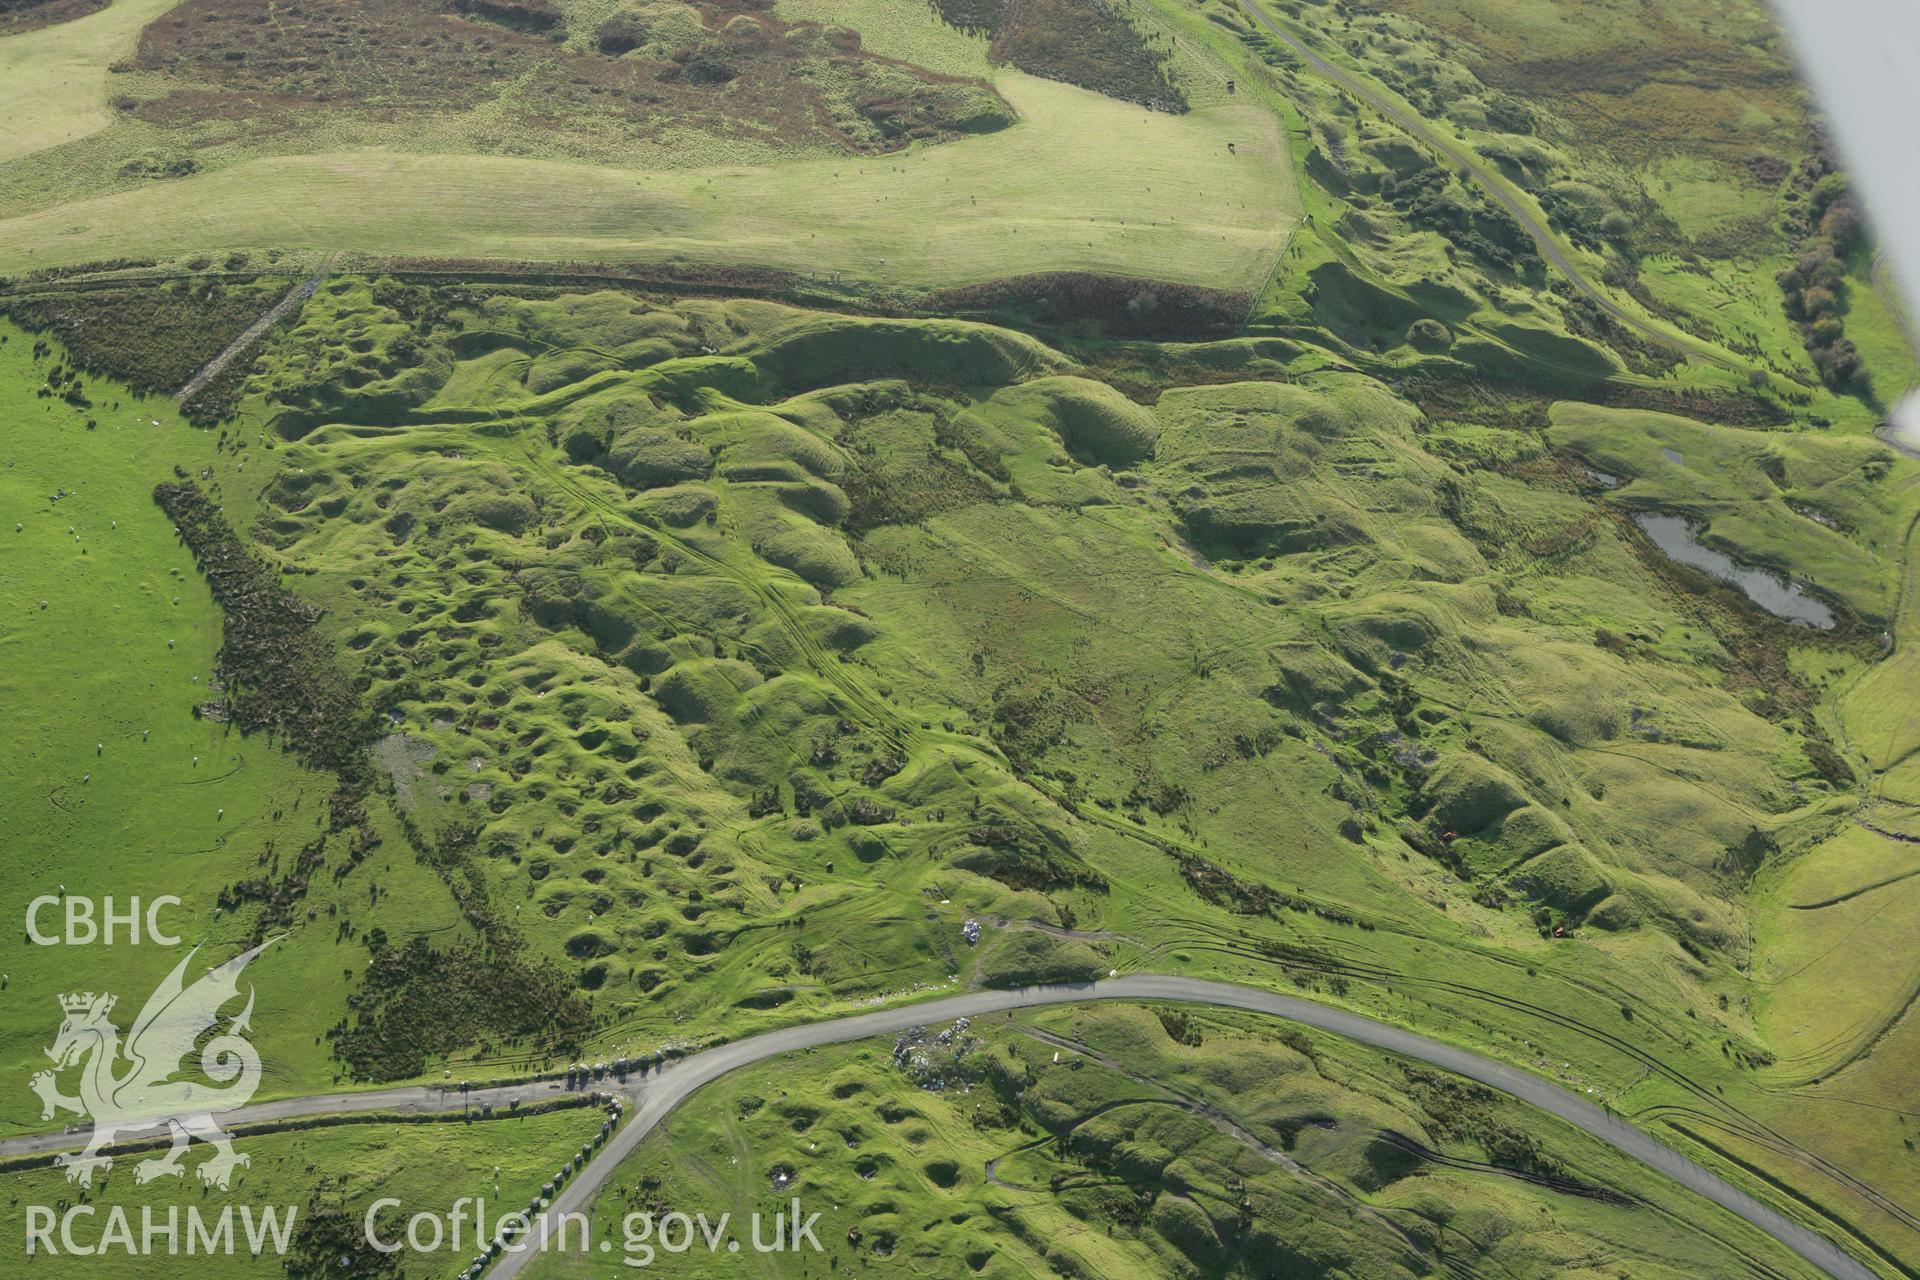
(1814, 288)
(1428, 334)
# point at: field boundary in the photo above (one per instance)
(254, 332)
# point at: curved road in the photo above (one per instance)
(666, 1089)
(653, 1097)
(413, 1099)
(1495, 187)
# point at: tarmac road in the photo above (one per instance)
(659, 1094)
(406, 1100)
(651, 1098)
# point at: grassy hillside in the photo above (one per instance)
(320, 1183)
(1061, 178)
(1082, 182)
(717, 660)
(1432, 130)
(54, 79)
(1180, 486)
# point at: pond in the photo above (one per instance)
(1773, 592)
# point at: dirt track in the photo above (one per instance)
(254, 332)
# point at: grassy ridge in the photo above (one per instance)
(1083, 182)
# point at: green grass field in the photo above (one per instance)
(1846, 899)
(321, 1183)
(912, 33)
(125, 792)
(1083, 183)
(54, 81)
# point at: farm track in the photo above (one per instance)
(1888, 434)
(254, 332)
(372, 1103)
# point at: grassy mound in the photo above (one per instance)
(649, 458)
(1096, 423)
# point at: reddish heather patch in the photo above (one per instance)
(30, 15)
(744, 72)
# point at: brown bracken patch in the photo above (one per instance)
(727, 67)
(1089, 43)
(151, 336)
(1112, 306)
(30, 15)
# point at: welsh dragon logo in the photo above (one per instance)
(144, 1094)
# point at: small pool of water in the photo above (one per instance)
(1778, 595)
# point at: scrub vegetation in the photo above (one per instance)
(641, 71)
(26, 15)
